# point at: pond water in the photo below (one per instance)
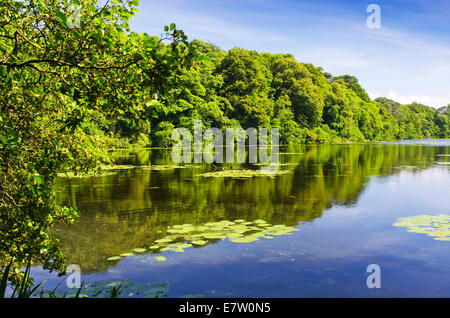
(309, 232)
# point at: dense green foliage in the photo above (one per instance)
(242, 88)
(69, 92)
(63, 87)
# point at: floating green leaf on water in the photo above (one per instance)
(160, 258)
(214, 236)
(239, 231)
(183, 236)
(164, 167)
(184, 245)
(118, 167)
(247, 239)
(199, 242)
(164, 240)
(437, 226)
(114, 258)
(243, 173)
(126, 254)
(72, 175)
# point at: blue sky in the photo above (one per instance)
(407, 59)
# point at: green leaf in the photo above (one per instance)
(165, 109)
(3, 139)
(38, 179)
(204, 58)
(62, 18)
(172, 26)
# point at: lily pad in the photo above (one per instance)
(199, 242)
(118, 167)
(247, 239)
(243, 173)
(126, 254)
(437, 226)
(182, 236)
(164, 240)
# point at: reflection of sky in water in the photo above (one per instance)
(329, 254)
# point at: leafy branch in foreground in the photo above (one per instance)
(54, 79)
(24, 289)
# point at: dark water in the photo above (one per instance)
(343, 199)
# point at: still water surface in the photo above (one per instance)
(342, 201)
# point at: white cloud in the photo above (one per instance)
(435, 101)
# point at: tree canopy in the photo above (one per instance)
(63, 86)
(243, 88)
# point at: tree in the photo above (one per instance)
(246, 85)
(353, 84)
(303, 85)
(55, 78)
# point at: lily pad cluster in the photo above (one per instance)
(237, 231)
(181, 237)
(114, 169)
(437, 226)
(164, 167)
(242, 173)
(72, 175)
(118, 167)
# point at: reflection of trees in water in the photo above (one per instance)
(135, 207)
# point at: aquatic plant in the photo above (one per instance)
(72, 175)
(241, 173)
(23, 289)
(183, 236)
(164, 167)
(118, 167)
(437, 226)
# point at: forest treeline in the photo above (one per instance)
(243, 88)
